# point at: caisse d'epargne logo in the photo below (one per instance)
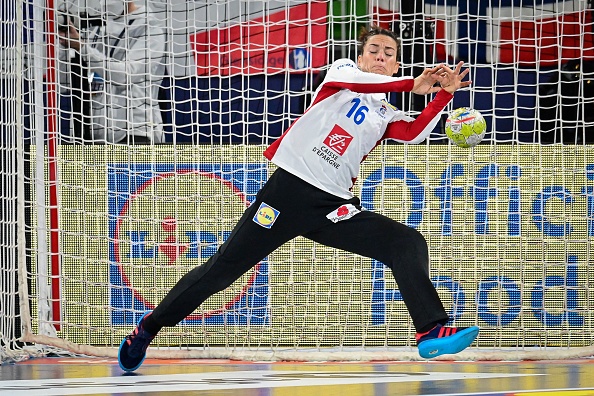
(338, 140)
(166, 219)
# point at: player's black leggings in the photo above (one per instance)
(303, 210)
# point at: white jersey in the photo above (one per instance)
(348, 117)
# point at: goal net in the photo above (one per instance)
(122, 171)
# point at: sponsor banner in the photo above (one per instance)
(509, 230)
(191, 210)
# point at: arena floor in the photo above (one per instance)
(95, 376)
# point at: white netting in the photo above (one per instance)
(95, 234)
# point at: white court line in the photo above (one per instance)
(224, 380)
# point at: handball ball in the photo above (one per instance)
(465, 127)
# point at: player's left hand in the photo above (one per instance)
(425, 83)
(451, 80)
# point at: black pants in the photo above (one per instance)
(302, 211)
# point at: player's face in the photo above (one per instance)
(379, 55)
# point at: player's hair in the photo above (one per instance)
(374, 30)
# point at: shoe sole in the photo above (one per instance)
(448, 345)
(129, 370)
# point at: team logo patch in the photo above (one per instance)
(338, 140)
(344, 212)
(266, 215)
(382, 111)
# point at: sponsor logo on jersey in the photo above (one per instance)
(266, 215)
(338, 140)
(327, 155)
(347, 64)
(344, 212)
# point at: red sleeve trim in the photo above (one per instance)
(409, 130)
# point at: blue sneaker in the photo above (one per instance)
(133, 347)
(443, 340)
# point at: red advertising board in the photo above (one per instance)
(293, 39)
(547, 41)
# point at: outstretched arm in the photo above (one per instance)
(344, 74)
(416, 130)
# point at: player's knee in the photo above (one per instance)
(416, 241)
(411, 237)
(411, 242)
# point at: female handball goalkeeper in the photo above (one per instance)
(318, 159)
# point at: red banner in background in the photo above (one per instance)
(294, 39)
(523, 40)
(547, 41)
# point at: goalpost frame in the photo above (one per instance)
(49, 256)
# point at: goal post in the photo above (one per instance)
(94, 235)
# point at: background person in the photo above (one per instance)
(124, 57)
(319, 158)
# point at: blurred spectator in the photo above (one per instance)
(116, 71)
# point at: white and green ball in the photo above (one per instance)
(465, 127)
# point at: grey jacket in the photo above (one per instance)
(126, 61)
